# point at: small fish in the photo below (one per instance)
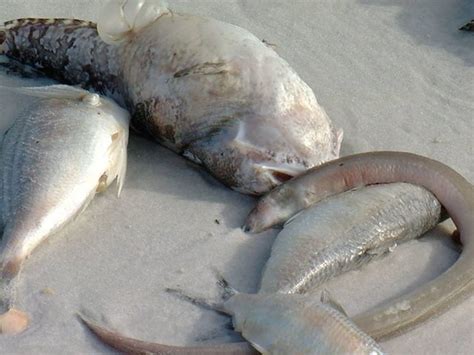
(208, 90)
(273, 323)
(69, 145)
(454, 192)
(345, 232)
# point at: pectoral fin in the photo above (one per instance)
(326, 298)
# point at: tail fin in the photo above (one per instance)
(135, 346)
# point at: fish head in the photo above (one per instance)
(253, 155)
(273, 154)
(273, 209)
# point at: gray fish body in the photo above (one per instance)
(63, 149)
(208, 90)
(345, 232)
(296, 324)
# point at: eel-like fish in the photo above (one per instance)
(69, 145)
(206, 89)
(273, 323)
(312, 249)
(454, 192)
(375, 219)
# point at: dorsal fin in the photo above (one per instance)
(326, 298)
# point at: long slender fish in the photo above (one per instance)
(451, 189)
(273, 323)
(206, 89)
(69, 145)
(312, 248)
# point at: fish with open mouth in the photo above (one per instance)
(208, 90)
(62, 150)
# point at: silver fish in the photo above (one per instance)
(454, 192)
(312, 248)
(69, 145)
(273, 323)
(206, 89)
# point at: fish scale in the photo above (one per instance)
(312, 249)
(203, 88)
(53, 158)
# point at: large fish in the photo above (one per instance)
(345, 232)
(206, 89)
(69, 145)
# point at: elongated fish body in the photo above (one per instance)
(312, 248)
(296, 324)
(69, 145)
(454, 192)
(272, 323)
(208, 90)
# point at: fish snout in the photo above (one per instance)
(258, 218)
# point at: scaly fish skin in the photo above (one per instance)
(296, 324)
(453, 191)
(208, 90)
(313, 248)
(59, 152)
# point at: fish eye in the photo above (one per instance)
(91, 99)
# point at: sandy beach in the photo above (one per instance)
(395, 75)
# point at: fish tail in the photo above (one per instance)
(68, 50)
(134, 346)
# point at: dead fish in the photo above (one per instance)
(69, 145)
(451, 189)
(312, 248)
(273, 323)
(206, 89)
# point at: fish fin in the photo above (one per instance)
(135, 346)
(56, 91)
(196, 300)
(327, 298)
(338, 142)
(228, 291)
(122, 164)
(117, 153)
